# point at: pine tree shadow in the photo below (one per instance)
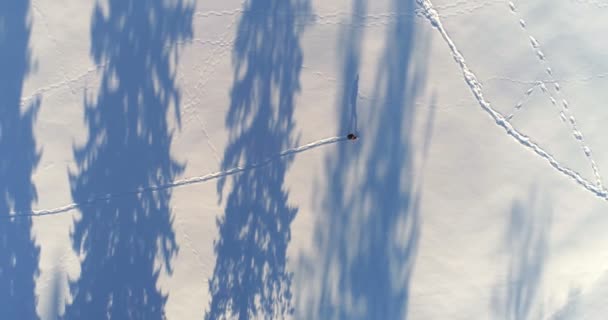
(526, 243)
(367, 232)
(585, 304)
(19, 157)
(125, 242)
(250, 279)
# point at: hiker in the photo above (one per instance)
(351, 136)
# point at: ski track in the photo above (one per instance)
(179, 182)
(433, 17)
(564, 105)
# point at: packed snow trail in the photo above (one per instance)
(431, 14)
(180, 182)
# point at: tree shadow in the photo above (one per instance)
(526, 243)
(19, 157)
(125, 242)
(585, 304)
(367, 234)
(250, 279)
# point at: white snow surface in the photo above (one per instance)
(188, 159)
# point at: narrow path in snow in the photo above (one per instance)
(180, 182)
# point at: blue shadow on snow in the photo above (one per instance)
(122, 240)
(19, 157)
(526, 242)
(367, 232)
(250, 280)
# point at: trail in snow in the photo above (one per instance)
(178, 183)
(431, 14)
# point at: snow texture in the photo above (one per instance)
(189, 159)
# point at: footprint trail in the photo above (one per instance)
(433, 17)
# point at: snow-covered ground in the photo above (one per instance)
(188, 159)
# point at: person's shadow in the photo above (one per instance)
(366, 237)
(19, 157)
(126, 241)
(518, 295)
(250, 279)
(354, 95)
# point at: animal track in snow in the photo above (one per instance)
(564, 109)
(471, 80)
(521, 102)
